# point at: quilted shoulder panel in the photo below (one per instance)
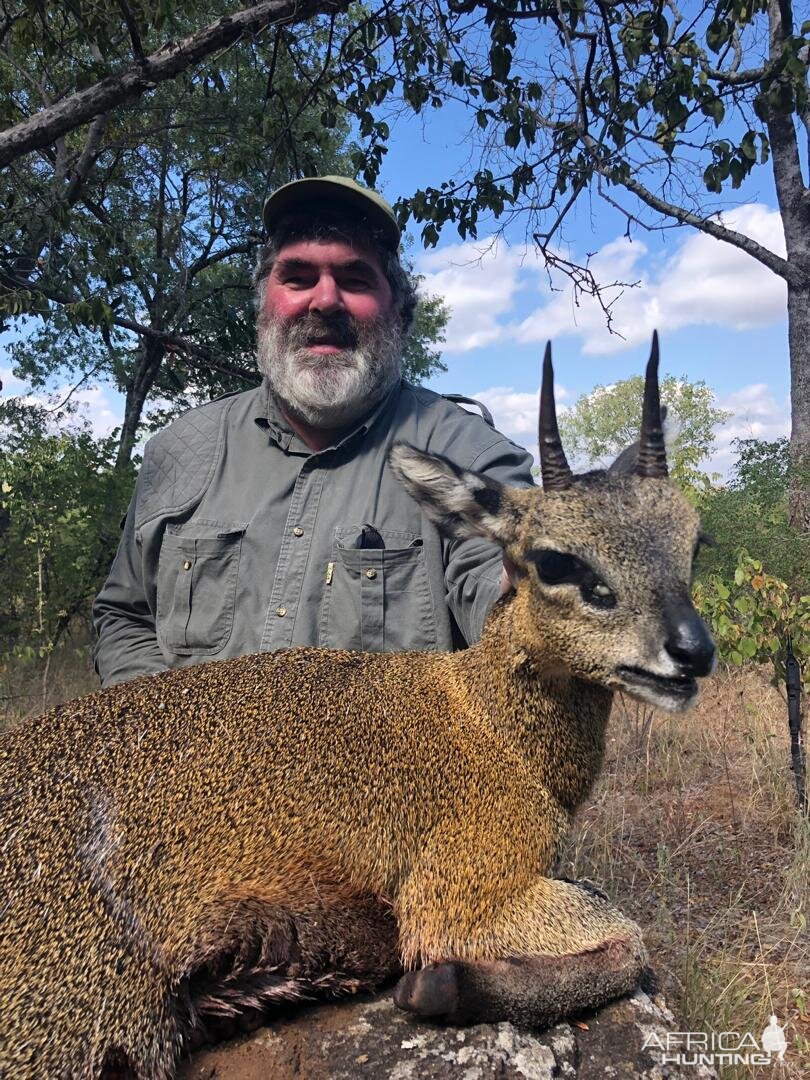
(179, 461)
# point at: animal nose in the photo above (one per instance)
(690, 644)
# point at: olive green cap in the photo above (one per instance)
(335, 190)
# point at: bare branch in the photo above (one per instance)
(190, 348)
(712, 227)
(76, 109)
(132, 29)
(73, 389)
(86, 159)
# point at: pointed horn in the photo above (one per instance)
(652, 454)
(554, 469)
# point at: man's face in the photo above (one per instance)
(329, 340)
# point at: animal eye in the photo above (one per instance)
(555, 567)
(599, 594)
(559, 568)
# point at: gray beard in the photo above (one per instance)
(329, 391)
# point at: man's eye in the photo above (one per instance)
(356, 284)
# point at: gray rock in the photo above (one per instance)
(371, 1038)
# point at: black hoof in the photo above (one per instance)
(430, 992)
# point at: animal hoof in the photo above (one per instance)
(430, 992)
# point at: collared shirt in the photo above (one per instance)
(240, 539)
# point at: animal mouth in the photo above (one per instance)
(682, 687)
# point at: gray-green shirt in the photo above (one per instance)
(239, 539)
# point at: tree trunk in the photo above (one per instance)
(794, 205)
(799, 344)
(152, 352)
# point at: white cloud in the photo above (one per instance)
(515, 413)
(705, 281)
(700, 281)
(478, 281)
(756, 415)
(96, 404)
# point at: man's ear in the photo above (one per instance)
(461, 503)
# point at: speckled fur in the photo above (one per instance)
(187, 848)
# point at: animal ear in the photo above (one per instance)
(627, 461)
(461, 503)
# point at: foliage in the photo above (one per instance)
(749, 515)
(753, 615)
(61, 502)
(131, 247)
(421, 358)
(602, 423)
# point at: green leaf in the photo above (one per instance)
(500, 59)
(748, 647)
(718, 33)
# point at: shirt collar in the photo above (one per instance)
(268, 415)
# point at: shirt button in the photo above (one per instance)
(371, 572)
(298, 531)
(281, 612)
(186, 565)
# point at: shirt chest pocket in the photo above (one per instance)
(377, 599)
(196, 586)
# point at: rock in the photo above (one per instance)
(371, 1038)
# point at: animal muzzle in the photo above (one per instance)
(689, 643)
(688, 653)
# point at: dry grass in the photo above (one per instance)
(693, 829)
(26, 689)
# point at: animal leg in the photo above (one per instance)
(254, 956)
(563, 947)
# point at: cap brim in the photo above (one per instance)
(318, 189)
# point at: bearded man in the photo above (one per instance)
(269, 519)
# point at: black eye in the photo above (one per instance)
(559, 568)
(596, 592)
(555, 567)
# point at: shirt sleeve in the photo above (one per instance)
(127, 643)
(473, 571)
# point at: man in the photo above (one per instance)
(270, 518)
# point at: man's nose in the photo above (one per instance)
(326, 296)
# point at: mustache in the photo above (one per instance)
(339, 329)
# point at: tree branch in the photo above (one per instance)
(86, 159)
(190, 348)
(76, 109)
(711, 227)
(132, 29)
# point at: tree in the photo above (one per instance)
(657, 107)
(61, 502)
(608, 419)
(748, 516)
(98, 28)
(133, 247)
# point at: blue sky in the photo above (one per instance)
(720, 314)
